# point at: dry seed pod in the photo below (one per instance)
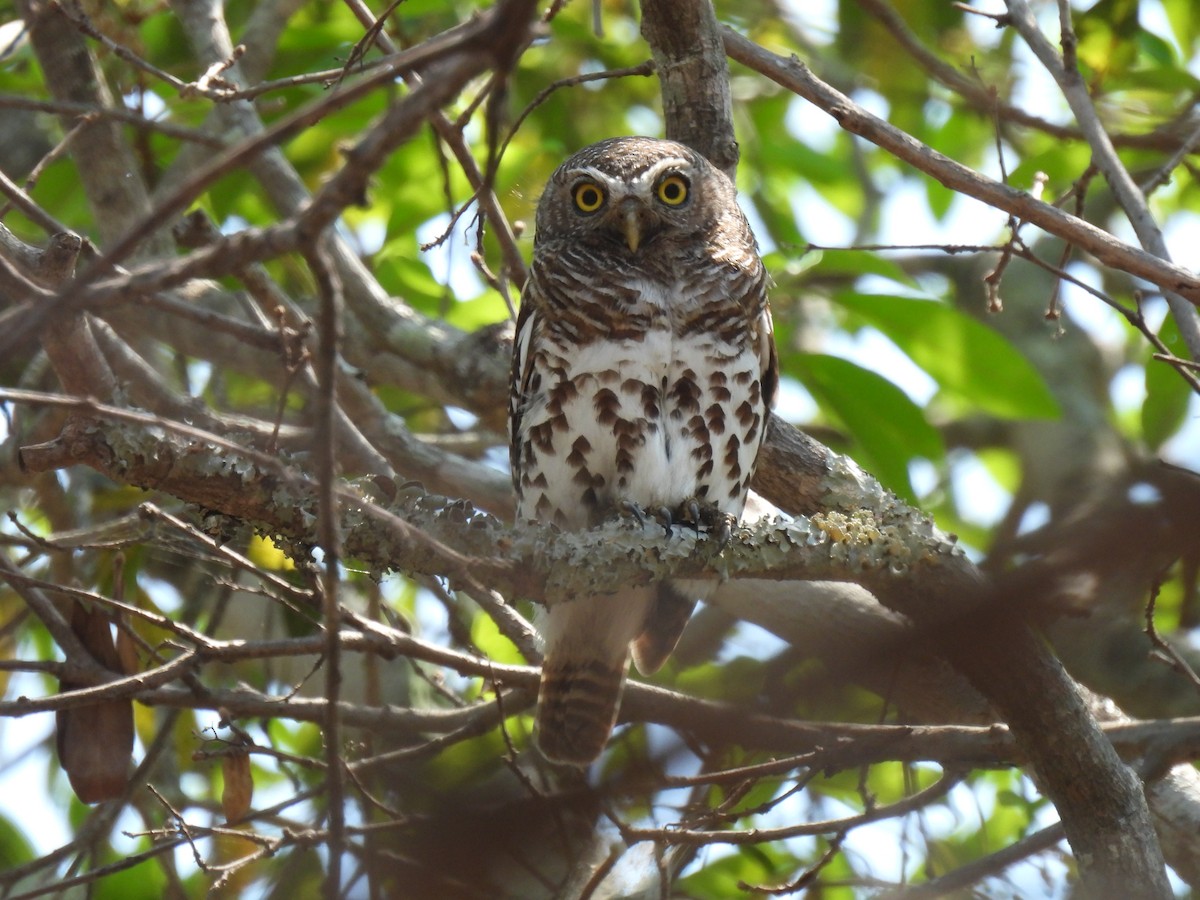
(239, 785)
(95, 740)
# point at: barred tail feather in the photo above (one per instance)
(587, 653)
(577, 708)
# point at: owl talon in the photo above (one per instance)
(665, 518)
(632, 509)
(710, 518)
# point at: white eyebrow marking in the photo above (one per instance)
(650, 176)
(671, 162)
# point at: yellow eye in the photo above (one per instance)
(588, 197)
(673, 190)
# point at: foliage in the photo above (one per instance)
(893, 352)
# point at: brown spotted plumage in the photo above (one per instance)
(643, 371)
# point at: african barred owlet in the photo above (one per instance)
(643, 371)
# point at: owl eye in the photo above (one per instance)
(673, 190)
(589, 197)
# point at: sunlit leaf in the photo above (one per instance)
(15, 847)
(263, 552)
(487, 637)
(1167, 394)
(1183, 18)
(968, 360)
(888, 428)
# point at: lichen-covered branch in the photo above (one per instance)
(880, 547)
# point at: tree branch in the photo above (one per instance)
(1106, 820)
(1129, 196)
(693, 74)
(796, 77)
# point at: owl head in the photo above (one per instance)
(628, 194)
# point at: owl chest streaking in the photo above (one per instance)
(643, 373)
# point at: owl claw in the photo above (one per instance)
(634, 510)
(724, 531)
(708, 517)
(660, 514)
(699, 515)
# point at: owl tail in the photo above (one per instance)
(587, 653)
(577, 708)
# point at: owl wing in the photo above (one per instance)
(768, 358)
(519, 378)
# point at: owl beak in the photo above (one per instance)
(631, 226)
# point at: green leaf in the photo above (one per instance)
(15, 847)
(1182, 16)
(890, 430)
(753, 864)
(409, 277)
(738, 681)
(486, 309)
(485, 634)
(1162, 78)
(1003, 465)
(1107, 35)
(968, 360)
(1167, 394)
(1156, 49)
(145, 880)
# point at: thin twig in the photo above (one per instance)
(329, 292)
(985, 867)
(765, 835)
(795, 76)
(807, 877)
(120, 114)
(1066, 74)
(1164, 651)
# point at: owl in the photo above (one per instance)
(643, 371)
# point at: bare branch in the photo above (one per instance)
(795, 76)
(1133, 202)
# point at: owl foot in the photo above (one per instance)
(692, 512)
(709, 517)
(662, 514)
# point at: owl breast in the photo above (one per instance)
(643, 414)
